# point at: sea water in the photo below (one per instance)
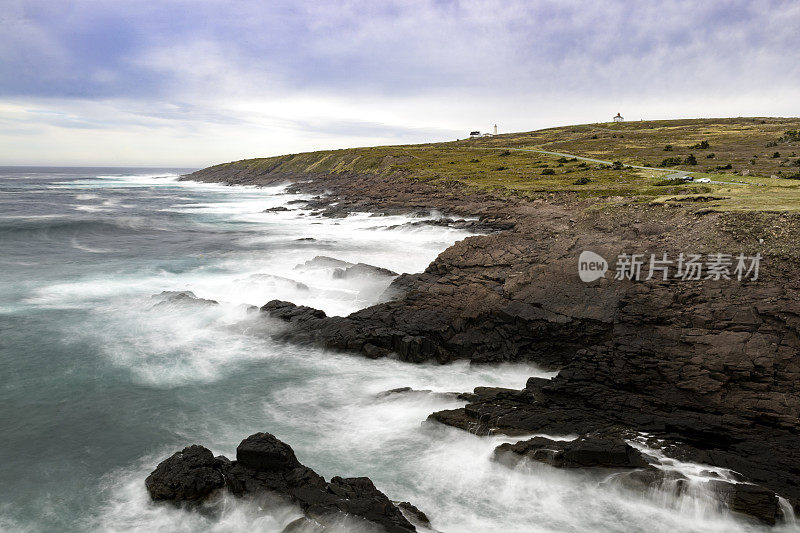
(98, 383)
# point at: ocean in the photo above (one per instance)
(100, 378)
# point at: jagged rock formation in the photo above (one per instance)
(265, 464)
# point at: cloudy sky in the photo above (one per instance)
(189, 83)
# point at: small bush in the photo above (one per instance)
(474, 160)
(772, 144)
(548, 172)
(791, 135)
(670, 161)
(668, 148)
(583, 165)
(563, 160)
(617, 165)
(702, 145)
(690, 160)
(594, 136)
(724, 167)
(583, 180)
(776, 155)
(501, 168)
(671, 181)
(796, 162)
(507, 152)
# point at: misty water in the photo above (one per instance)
(98, 383)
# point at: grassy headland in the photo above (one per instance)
(756, 161)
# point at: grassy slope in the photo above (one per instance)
(747, 144)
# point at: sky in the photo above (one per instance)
(196, 82)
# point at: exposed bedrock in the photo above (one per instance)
(713, 364)
(266, 465)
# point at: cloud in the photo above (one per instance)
(362, 71)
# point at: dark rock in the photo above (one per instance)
(586, 451)
(362, 270)
(413, 514)
(262, 451)
(751, 500)
(289, 312)
(189, 475)
(304, 525)
(650, 478)
(266, 465)
(275, 209)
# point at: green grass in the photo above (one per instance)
(488, 164)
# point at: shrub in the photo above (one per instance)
(583, 180)
(771, 144)
(617, 165)
(670, 162)
(724, 167)
(548, 172)
(668, 148)
(501, 168)
(474, 160)
(594, 136)
(563, 160)
(507, 152)
(791, 135)
(584, 164)
(712, 155)
(671, 181)
(776, 155)
(690, 160)
(796, 162)
(702, 145)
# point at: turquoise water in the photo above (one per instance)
(98, 384)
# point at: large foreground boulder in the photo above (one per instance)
(266, 465)
(189, 475)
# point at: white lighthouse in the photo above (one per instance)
(495, 129)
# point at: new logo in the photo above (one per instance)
(591, 266)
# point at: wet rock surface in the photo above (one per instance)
(586, 451)
(264, 464)
(189, 475)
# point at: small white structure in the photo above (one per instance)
(618, 118)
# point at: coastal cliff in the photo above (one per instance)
(708, 366)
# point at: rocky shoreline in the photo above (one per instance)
(711, 368)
